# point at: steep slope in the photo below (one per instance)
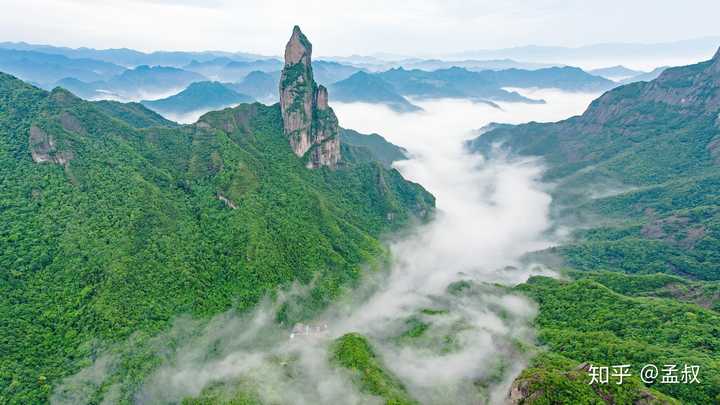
(555, 379)
(638, 171)
(310, 124)
(111, 231)
(367, 88)
(133, 114)
(587, 322)
(644, 158)
(369, 147)
(198, 96)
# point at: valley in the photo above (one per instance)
(271, 227)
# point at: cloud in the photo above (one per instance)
(452, 275)
(425, 27)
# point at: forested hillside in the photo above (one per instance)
(637, 174)
(114, 221)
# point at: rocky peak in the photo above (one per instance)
(309, 123)
(298, 48)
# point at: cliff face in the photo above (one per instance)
(309, 123)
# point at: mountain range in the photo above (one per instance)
(198, 96)
(637, 174)
(692, 49)
(394, 86)
(111, 213)
(118, 224)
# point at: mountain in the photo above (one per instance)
(44, 68)
(259, 85)
(133, 84)
(144, 80)
(469, 64)
(130, 58)
(309, 123)
(328, 72)
(115, 224)
(615, 73)
(368, 88)
(87, 90)
(448, 83)
(198, 96)
(134, 114)
(637, 175)
(645, 77)
(369, 147)
(228, 70)
(564, 78)
(691, 49)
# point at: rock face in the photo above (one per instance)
(43, 148)
(310, 124)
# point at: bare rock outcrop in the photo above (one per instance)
(309, 123)
(43, 148)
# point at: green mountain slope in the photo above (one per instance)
(370, 147)
(587, 322)
(638, 172)
(134, 114)
(643, 157)
(110, 230)
(354, 353)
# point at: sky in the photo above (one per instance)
(341, 28)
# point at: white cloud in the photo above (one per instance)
(346, 27)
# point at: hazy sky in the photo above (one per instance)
(341, 28)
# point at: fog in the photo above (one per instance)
(490, 212)
(191, 116)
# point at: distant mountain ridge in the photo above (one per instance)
(615, 72)
(198, 96)
(134, 84)
(131, 58)
(368, 88)
(694, 49)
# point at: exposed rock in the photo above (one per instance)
(43, 148)
(309, 123)
(228, 202)
(521, 393)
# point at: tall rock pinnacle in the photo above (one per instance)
(310, 124)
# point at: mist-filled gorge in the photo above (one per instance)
(441, 318)
(398, 203)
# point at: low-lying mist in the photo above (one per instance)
(451, 275)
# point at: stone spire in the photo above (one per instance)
(309, 123)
